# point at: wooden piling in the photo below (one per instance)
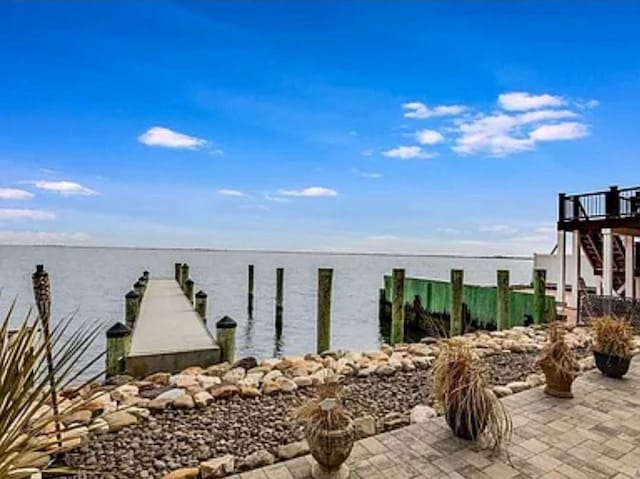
(226, 337)
(279, 299)
(502, 321)
(118, 345)
(397, 307)
(178, 273)
(184, 274)
(250, 292)
(539, 295)
(382, 303)
(138, 287)
(145, 275)
(457, 286)
(188, 290)
(131, 308)
(323, 336)
(201, 305)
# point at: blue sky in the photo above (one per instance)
(411, 127)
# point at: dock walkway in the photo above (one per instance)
(169, 335)
(595, 435)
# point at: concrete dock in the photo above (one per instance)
(169, 335)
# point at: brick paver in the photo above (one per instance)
(594, 435)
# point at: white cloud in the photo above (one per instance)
(447, 231)
(408, 153)
(229, 192)
(545, 230)
(383, 238)
(365, 174)
(25, 214)
(311, 192)
(419, 110)
(504, 229)
(164, 137)
(42, 237)
(429, 137)
(64, 188)
(14, 194)
(569, 130)
(521, 101)
(276, 199)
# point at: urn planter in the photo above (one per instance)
(330, 448)
(612, 366)
(558, 383)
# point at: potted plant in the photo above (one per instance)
(329, 431)
(558, 363)
(462, 392)
(613, 342)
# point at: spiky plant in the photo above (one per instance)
(325, 410)
(25, 387)
(557, 353)
(462, 392)
(612, 336)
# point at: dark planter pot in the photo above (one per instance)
(464, 425)
(612, 366)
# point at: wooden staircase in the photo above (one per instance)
(592, 246)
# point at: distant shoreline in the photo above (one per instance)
(324, 253)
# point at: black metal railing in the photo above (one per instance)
(609, 204)
(593, 306)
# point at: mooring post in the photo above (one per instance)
(142, 280)
(382, 301)
(502, 320)
(184, 275)
(397, 307)
(323, 339)
(226, 337)
(279, 296)
(178, 273)
(145, 275)
(539, 295)
(138, 287)
(250, 292)
(188, 290)
(118, 345)
(131, 308)
(201, 305)
(457, 285)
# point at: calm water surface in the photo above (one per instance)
(92, 282)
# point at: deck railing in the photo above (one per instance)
(614, 203)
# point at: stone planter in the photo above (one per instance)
(463, 424)
(612, 366)
(558, 383)
(330, 448)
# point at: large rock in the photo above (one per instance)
(162, 379)
(172, 394)
(270, 387)
(224, 391)
(303, 381)
(249, 392)
(192, 371)
(183, 381)
(82, 417)
(287, 385)
(184, 402)
(234, 376)
(246, 363)
(120, 419)
(98, 426)
(386, 370)
(365, 426)
(121, 392)
(202, 399)
(158, 404)
(217, 467)
(295, 449)
(272, 376)
(421, 413)
(218, 370)
(257, 459)
(518, 386)
(184, 473)
(207, 382)
(502, 391)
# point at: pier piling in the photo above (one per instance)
(503, 300)
(188, 290)
(178, 273)
(138, 287)
(539, 290)
(145, 275)
(397, 308)
(226, 337)
(323, 338)
(279, 299)
(131, 308)
(118, 345)
(457, 285)
(201, 305)
(184, 275)
(250, 292)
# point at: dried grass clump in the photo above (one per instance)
(325, 410)
(461, 389)
(613, 336)
(557, 353)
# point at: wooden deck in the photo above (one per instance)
(169, 335)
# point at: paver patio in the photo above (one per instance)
(595, 435)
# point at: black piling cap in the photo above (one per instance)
(145, 273)
(118, 330)
(226, 323)
(39, 268)
(132, 295)
(189, 281)
(201, 294)
(142, 280)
